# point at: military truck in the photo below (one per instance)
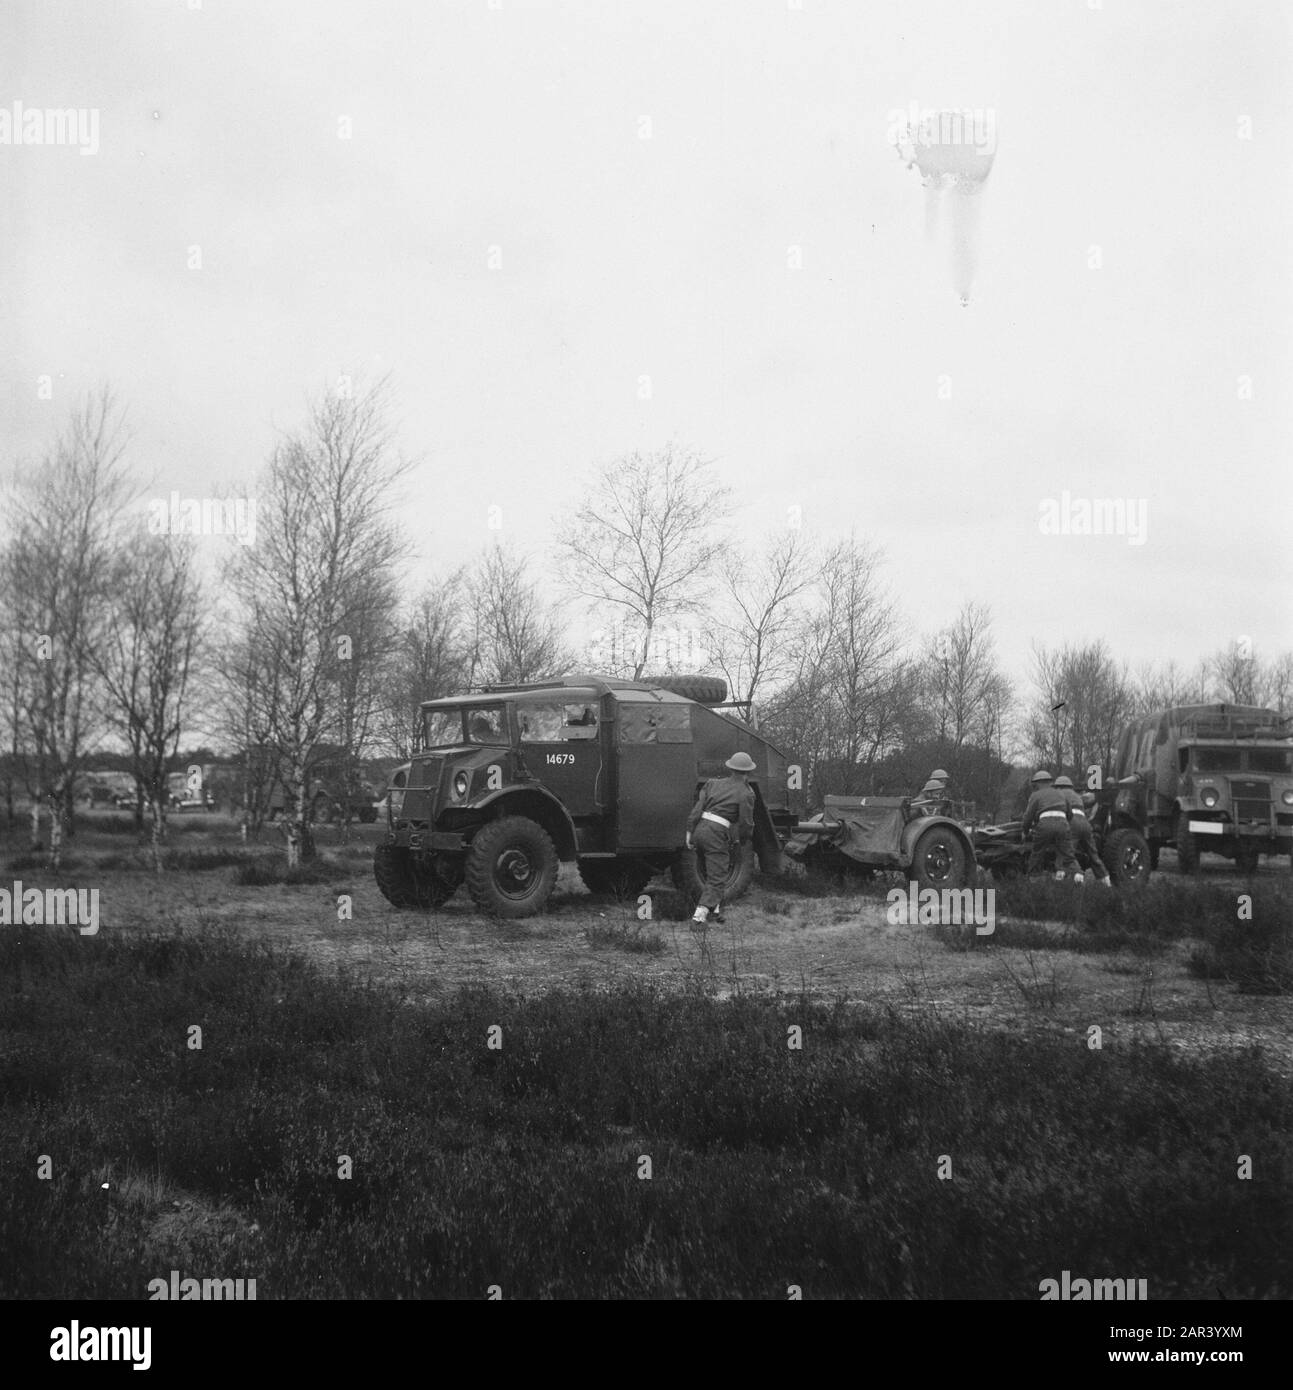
(514, 779)
(1208, 778)
(336, 788)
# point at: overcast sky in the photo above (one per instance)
(762, 257)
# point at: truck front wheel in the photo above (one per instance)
(1247, 858)
(511, 867)
(404, 883)
(1187, 846)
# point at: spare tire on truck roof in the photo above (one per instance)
(705, 690)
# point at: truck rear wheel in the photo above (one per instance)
(404, 884)
(511, 867)
(615, 878)
(940, 860)
(1187, 847)
(690, 882)
(1126, 856)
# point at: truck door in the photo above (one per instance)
(561, 746)
(656, 770)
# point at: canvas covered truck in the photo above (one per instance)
(513, 780)
(1208, 778)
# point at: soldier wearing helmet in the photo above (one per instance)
(1048, 811)
(1080, 829)
(720, 822)
(933, 798)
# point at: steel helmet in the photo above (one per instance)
(932, 787)
(1064, 782)
(741, 762)
(1041, 775)
(938, 775)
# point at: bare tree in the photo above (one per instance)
(325, 545)
(643, 543)
(1169, 685)
(146, 659)
(1235, 674)
(757, 612)
(851, 692)
(1277, 684)
(960, 672)
(430, 659)
(1083, 701)
(514, 636)
(64, 515)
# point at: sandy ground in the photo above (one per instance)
(773, 942)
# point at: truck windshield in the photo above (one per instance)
(1216, 760)
(442, 728)
(1270, 760)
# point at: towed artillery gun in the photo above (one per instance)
(857, 835)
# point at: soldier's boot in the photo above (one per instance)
(1077, 877)
(700, 919)
(1059, 875)
(717, 914)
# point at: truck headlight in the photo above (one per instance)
(460, 784)
(1287, 798)
(1210, 796)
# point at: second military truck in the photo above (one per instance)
(1213, 778)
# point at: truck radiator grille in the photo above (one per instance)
(1252, 802)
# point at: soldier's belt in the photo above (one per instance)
(709, 815)
(1060, 814)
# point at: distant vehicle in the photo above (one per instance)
(335, 787)
(102, 789)
(185, 792)
(1215, 778)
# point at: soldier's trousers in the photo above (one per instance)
(713, 847)
(1084, 843)
(1052, 834)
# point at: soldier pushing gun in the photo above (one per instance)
(1048, 810)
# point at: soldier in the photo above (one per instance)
(1048, 810)
(721, 820)
(1083, 835)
